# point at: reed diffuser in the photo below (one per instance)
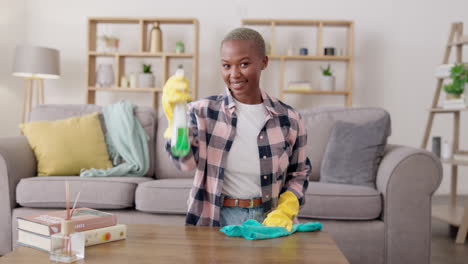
(67, 246)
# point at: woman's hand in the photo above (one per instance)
(283, 215)
(175, 91)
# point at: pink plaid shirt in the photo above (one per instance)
(284, 165)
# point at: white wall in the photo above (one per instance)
(398, 44)
(13, 30)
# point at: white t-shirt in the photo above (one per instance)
(242, 172)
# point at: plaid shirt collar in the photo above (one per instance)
(269, 103)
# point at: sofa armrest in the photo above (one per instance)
(407, 177)
(17, 161)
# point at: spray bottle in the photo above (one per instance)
(180, 144)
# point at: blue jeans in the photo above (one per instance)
(238, 215)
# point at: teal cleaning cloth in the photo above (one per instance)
(253, 230)
(127, 143)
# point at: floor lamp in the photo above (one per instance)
(35, 64)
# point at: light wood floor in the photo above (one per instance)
(444, 249)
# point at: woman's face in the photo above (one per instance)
(241, 66)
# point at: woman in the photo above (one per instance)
(247, 147)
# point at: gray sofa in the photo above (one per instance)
(387, 224)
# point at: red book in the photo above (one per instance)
(48, 223)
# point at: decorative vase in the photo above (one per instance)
(146, 80)
(124, 82)
(133, 82)
(105, 75)
(329, 51)
(436, 141)
(446, 150)
(67, 246)
(327, 83)
(155, 38)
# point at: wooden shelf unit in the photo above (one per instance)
(119, 89)
(319, 55)
(141, 25)
(314, 92)
(141, 54)
(304, 57)
(452, 214)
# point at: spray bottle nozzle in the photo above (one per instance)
(180, 70)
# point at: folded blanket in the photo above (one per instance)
(253, 230)
(127, 143)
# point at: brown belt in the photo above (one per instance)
(248, 203)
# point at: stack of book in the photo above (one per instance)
(299, 86)
(98, 227)
(454, 104)
(460, 157)
(443, 71)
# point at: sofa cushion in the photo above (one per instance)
(65, 147)
(323, 200)
(163, 196)
(354, 152)
(341, 201)
(146, 115)
(98, 193)
(319, 123)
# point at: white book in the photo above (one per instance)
(454, 101)
(443, 71)
(301, 85)
(92, 237)
(453, 106)
(460, 157)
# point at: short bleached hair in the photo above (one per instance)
(243, 33)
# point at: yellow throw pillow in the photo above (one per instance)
(64, 147)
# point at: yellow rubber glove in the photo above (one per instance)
(283, 215)
(174, 91)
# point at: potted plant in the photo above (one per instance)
(327, 80)
(180, 47)
(459, 76)
(146, 79)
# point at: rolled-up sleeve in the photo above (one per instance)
(299, 169)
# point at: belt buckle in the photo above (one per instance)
(251, 203)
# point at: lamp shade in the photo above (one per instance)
(39, 62)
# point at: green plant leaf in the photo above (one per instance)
(457, 71)
(453, 88)
(326, 71)
(147, 68)
(459, 76)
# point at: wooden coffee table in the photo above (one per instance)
(190, 244)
